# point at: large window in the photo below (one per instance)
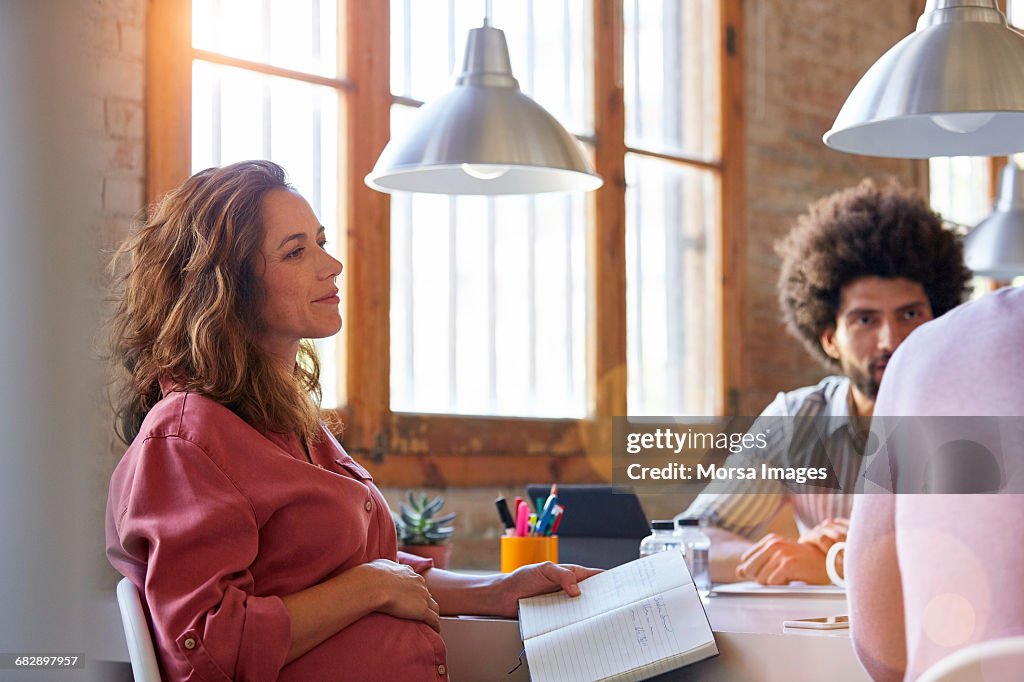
(486, 340)
(673, 161)
(488, 311)
(960, 188)
(265, 85)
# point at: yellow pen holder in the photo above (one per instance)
(516, 552)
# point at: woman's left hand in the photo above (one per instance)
(535, 579)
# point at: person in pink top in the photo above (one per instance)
(932, 572)
(263, 551)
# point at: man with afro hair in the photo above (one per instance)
(861, 269)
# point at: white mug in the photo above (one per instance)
(830, 563)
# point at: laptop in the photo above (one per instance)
(599, 528)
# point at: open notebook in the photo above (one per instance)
(632, 622)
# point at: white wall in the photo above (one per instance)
(48, 382)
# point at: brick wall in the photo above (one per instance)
(114, 126)
(115, 115)
(802, 59)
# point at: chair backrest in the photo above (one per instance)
(997, 660)
(136, 632)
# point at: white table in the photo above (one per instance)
(753, 645)
(748, 630)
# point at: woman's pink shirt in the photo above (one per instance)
(214, 521)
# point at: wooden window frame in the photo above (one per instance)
(413, 450)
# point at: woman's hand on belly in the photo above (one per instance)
(381, 586)
(404, 592)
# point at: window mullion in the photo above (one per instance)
(492, 304)
(316, 50)
(606, 383)
(453, 318)
(409, 363)
(731, 234)
(368, 272)
(531, 294)
(675, 294)
(267, 122)
(168, 96)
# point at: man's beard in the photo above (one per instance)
(863, 379)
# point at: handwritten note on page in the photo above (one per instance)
(617, 587)
(632, 622)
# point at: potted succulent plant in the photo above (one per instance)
(421, 531)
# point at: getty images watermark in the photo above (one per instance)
(757, 455)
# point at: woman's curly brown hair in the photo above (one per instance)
(867, 230)
(187, 301)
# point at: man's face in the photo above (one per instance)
(875, 315)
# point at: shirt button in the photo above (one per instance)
(320, 466)
(441, 670)
(190, 644)
(368, 506)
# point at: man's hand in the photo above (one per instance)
(535, 579)
(827, 533)
(777, 560)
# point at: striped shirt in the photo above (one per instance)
(800, 427)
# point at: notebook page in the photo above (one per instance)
(642, 638)
(603, 592)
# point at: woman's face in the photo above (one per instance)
(301, 298)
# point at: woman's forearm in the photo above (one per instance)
(322, 610)
(498, 594)
(459, 593)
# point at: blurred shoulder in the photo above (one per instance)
(810, 400)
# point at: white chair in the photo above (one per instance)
(136, 632)
(997, 660)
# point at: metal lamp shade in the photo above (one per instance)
(484, 136)
(995, 248)
(954, 87)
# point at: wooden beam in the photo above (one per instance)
(606, 245)
(416, 434)
(681, 159)
(996, 164)
(367, 278)
(271, 70)
(168, 95)
(443, 471)
(733, 223)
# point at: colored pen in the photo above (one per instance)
(559, 510)
(503, 513)
(549, 505)
(515, 507)
(545, 514)
(522, 520)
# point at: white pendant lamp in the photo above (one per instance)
(995, 248)
(954, 87)
(484, 136)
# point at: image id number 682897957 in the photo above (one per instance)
(40, 661)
